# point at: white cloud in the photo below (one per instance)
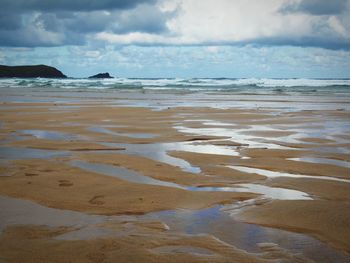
(220, 22)
(338, 27)
(226, 20)
(320, 23)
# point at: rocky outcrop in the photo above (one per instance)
(101, 76)
(32, 71)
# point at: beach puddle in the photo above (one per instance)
(322, 160)
(130, 135)
(66, 107)
(14, 153)
(256, 136)
(72, 124)
(134, 177)
(22, 212)
(183, 250)
(213, 221)
(265, 191)
(89, 231)
(332, 149)
(273, 174)
(208, 122)
(121, 173)
(321, 130)
(51, 135)
(12, 137)
(159, 152)
(163, 148)
(236, 135)
(216, 123)
(217, 222)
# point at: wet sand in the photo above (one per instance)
(261, 166)
(39, 244)
(327, 220)
(57, 185)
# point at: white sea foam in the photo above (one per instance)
(222, 84)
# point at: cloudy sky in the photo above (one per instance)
(179, 38)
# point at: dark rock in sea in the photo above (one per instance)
(101, 76)
(32, 71)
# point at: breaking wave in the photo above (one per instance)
(190, 85)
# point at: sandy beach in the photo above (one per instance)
(108, 178)
(169, 131)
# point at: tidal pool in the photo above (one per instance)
(103, 130)
(17, 153)
(210, 221)
(51, 135)
(273, 174)
(134, 177)
(322, 160)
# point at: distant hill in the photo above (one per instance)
(32, 71)
(101, 76)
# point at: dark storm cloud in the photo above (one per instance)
(54, 23)
(78, 22)
(69, 5)
(317, 7)
(9, 21)
(45, 23)
(34, 29)
(144, 18)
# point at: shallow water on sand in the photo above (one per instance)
(162, 99)
(273, 174)
(218, 221)
(17, 153)
(131, 135)
(51, 135)
(183, 250)
(246, 136)
(121, 173)
(212, 221)
(322, 160)
(158, 152)
(235, 135)
(134, 177)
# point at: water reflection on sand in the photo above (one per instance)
(213, 221)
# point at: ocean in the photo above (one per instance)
(251, 85)
(278, 94)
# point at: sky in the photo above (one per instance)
(179, 38)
